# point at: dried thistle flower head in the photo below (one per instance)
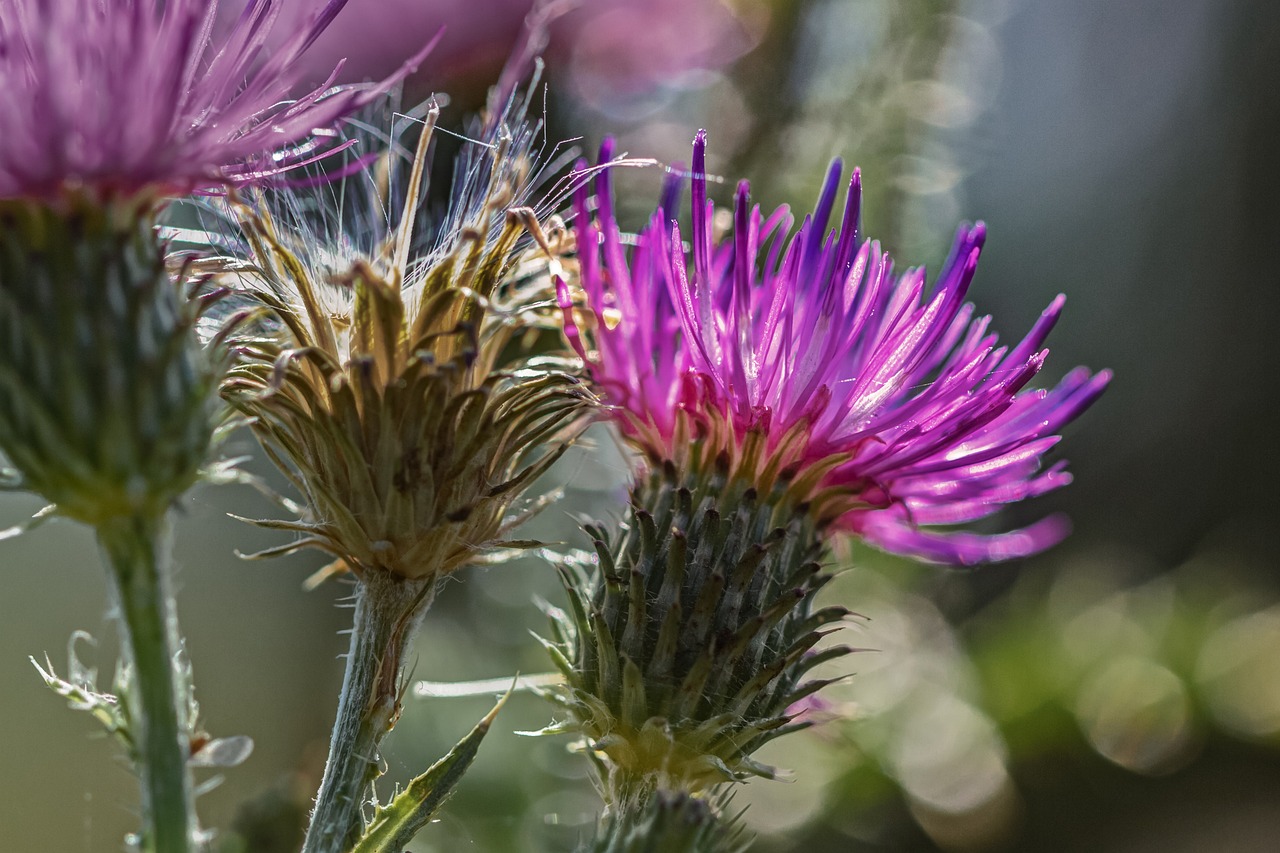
(388, 393)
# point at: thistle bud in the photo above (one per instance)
(107, 399)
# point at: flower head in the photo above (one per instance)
(123, 96)
(806, 360)
(382, 381)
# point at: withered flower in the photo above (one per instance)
(388, 384)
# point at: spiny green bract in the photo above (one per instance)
(108, 401)
(683, 654)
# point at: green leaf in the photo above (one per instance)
(80, 690)
(395, 824)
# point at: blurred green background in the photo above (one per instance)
(1121, 693)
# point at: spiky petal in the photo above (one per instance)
(123, 96)
(905, 402)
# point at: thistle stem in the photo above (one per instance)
(135, 549)
(388, 608)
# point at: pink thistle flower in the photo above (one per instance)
(807, 359)
(123, 96)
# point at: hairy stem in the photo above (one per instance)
(135, 549)
(388, 608)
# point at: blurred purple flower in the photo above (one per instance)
(620, 46)
(127, 95)
(898, 405)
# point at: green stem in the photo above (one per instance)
(135, 549)
(387, 610)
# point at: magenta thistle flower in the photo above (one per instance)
(127, 95)
(893, 405)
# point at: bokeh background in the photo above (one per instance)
(1120, 693)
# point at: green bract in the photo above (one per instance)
(684, 654)
(107, 399)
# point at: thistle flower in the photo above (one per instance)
(387, 393)
(782, 389)
(108, 401)
(807, 358)
(110, 108)
(129, 96)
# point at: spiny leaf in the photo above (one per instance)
(395, 824)
(82, 694)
